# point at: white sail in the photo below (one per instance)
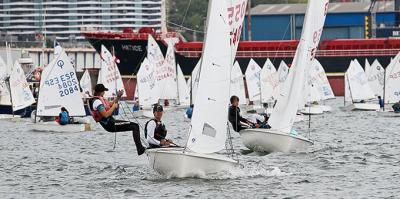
(236, 12)
(237, 83)
(59, 87)
(166, 76)
(322, 81)
(269, 81)
(21, 95)
(147, 85)
(183, 89)
(376, 77)
(392, 82)
(347, 93)
(253, 80)
(281, 76)
(4, 92)
(367, 67)
(109, 74)
(209, 121)
(284, 113)
(86, 84)
(358, 83)
(154, 54)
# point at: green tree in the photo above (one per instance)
(189, 16)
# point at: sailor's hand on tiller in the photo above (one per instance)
(120, 93)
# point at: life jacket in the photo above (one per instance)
(64, 118)
(160, 132)
(95, 113)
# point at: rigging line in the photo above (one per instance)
(186, 28)
(280, 44)
(187, 9)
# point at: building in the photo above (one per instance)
(31, 20)
(344, 21)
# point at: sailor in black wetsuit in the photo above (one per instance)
(155, 130)
(237, 121)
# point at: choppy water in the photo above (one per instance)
(356, 155)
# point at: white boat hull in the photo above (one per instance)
(324, 108)
(8, 116)
(55, 127)
(175, 162)
(268, 140)
(364, 107)
(312, 111)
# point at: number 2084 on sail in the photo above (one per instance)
(66, 83)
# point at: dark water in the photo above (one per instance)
(356, 155)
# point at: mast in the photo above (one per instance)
(384, 89)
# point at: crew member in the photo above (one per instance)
(102, 111)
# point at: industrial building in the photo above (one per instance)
(344, 21)
(22, 20)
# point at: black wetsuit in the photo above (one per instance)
(235, 118)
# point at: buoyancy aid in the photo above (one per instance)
(95, 113)
(160, 132)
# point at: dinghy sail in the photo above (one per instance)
(392, 81)
(284, 113)
(357, 84)
(109, 74)
(21, 95)
(209, 120)
(237, 83)
(376, 77)
(269, 81)
(59, 87)
(86, 84)
(147, 85)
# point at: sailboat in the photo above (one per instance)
(59, 87)
(269, 82)
(392, 86)
(357, 89)
(147, 89)
(318, 89)
(208, 132)
(376, 77)
(281, 136)
(15, 95)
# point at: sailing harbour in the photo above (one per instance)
(355, 155)
(313, 115)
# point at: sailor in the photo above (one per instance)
(381, 102)
(155, 130)
(63, 117)
(102, 111)
(396, 107)
(189, 111)
(237, 121)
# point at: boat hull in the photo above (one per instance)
(312, 111)
(388, 114)
(268, 140)
(324, 108)
(55, 127)
(363, 107)
(177, 163)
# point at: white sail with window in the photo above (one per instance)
(209, 121)
(59, 87)
(284, 113)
